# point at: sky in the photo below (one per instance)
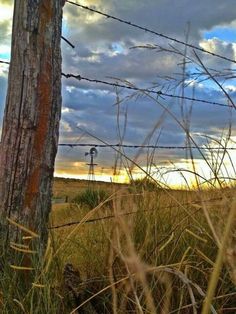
(108, 50)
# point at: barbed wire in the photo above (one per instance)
(145, 29)
(4, 62)
(158, 93)
(211, 200)
(68, 42)
(143, 146)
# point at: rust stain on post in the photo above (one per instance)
(45, 87)
(44, 103)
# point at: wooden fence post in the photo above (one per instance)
(31, 119)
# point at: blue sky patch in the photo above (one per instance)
(227, 34)
(5, 56)
(117, 48)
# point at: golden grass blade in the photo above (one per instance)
(183, 257)
(27, 237)
(26, 230)
(38, 285)
(20, 305)
(196, 236)
(19, 245)
(15, 267)
(206, 258)
(27, 251)
(167, 242)
(218, 263)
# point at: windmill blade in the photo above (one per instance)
(93, 151)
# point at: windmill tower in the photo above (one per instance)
(92, 154)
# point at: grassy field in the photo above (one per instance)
(63, 188)
(134, 249)
(146, 249)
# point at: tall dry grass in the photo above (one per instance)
(153, 251)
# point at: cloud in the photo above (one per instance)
(164, 16)
(219, 47)
(103, 52)
(4, 31)
(94, 113)
(5, 39)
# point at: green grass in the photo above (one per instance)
(91, 197)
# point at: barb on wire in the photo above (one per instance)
(158, 93)
(143, 146)
(145, 29)
(200, 202)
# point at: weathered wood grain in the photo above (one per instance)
(32, 113)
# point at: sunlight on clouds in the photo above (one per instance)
(70, 89)
(78, 164)
(94, 59)
(220, 47)
(230, 88)
(234, 48)
(65, 110)
(4, 70)
(88, 17)
(212, 44)
(6, 10)
(122, 177)
(90, 3)
(177, 175)
(65, 127)
(182, 174)
(70, 168)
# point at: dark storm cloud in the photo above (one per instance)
(165, 16)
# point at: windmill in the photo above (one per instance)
(92, 154)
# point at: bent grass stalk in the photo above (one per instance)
(23, 228)
(218, 263)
